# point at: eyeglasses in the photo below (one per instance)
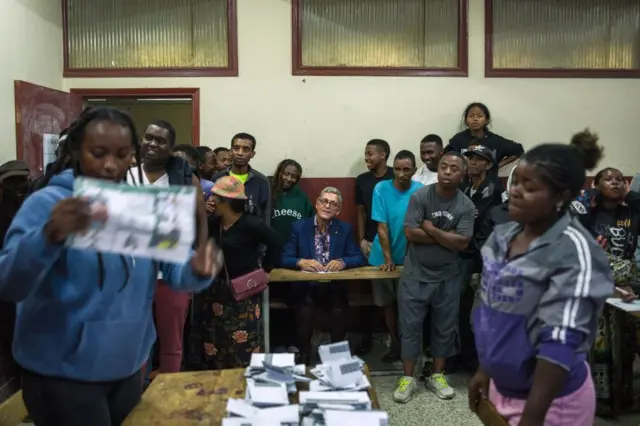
(330, 203)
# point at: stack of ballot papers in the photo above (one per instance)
(337, 396)
(339, 370)
(274, 369)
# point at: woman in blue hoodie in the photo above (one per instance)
(84, 326)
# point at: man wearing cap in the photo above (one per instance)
(484, 189)
(14, 184)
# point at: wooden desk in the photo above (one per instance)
(196, 398)
(364, 273)
(290, 275)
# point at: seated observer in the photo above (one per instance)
(321, 243)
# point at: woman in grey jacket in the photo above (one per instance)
(545, 281)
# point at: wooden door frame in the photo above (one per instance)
(179, 92)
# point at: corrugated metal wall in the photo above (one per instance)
(587, 34)
(147, 33)
(380, 33)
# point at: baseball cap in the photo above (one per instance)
(481, 151)
(229, 187)
(13, 168)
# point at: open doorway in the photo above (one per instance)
(179, 106)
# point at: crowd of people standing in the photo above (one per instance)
(549, 255)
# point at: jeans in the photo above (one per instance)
(53, 401)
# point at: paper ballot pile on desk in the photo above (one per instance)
(336, 396)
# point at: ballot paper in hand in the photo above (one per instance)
(144, 221)
(334, 352)
(355, 418)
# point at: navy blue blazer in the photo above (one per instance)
(342, 244)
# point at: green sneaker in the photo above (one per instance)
(438, 384)
(406, 387)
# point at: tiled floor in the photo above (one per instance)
(425, 409)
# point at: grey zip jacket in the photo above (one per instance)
(543, 304)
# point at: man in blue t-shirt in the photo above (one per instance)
(390, 201)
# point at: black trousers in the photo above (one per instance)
(53, 401)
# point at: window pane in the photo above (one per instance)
(147, 33)
(569, 34)
(380, 33)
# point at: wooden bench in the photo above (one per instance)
(13, 411)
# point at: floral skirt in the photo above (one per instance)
(229, 331)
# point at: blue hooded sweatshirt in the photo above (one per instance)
(81, 315)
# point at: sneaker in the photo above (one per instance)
(406, 387)
(438, 384)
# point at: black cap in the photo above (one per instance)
(481, 151)
(13, 168)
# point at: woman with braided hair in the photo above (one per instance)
(84, 326)
(544, 284)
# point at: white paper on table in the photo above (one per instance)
(318, 386)
(142, 221)
(240, 421)
(356, 418)
(239, 407)
(286, 414)
(625, 306)
(264, 393)
(279, 360)
(334, 352)
(337, 398)
(345, 373)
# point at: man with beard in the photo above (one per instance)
(256, 185)
(430, 153)
(161, 168)
(14, 184)
(438, 226)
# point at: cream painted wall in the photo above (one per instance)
(31, 50)
(324, 122)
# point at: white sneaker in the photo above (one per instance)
(438, 384)
(405, 388)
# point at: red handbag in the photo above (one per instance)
(246, 285)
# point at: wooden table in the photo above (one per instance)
(196, 398)
(364, 273)
(290, 275)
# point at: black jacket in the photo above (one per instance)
(497, 216)
(500, 146)
(487, 196)
(620, 226)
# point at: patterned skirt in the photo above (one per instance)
(228, 331)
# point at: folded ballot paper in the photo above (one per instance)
(339, 370)
(277, 369)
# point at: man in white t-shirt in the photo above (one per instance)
(160, 168)
(430, 153)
